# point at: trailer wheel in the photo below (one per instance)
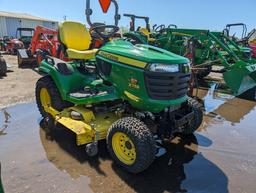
(47, 95)
(131, 144)
(3, 67)
(197, 119)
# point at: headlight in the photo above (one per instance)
(163, 67)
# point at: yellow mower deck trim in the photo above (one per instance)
(91, 128)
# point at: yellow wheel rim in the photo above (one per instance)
(45, 98)
(124, 148)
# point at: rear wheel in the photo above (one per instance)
(47, 95)
(197, 118)
(131, 144)
(3, 67)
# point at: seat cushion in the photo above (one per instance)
(83, 55)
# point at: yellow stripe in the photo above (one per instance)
(181, 34)
(131, 96)
(123, 59)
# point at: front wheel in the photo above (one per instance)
(131, 144)
(197, 119)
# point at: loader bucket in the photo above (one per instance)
(240, 77)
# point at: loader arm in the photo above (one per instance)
(40, 30)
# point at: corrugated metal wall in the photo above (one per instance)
(3, 30)
(30, 23)
(8, 25)
(12, 24)
(52, 25)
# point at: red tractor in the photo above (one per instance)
(44, 42)
(22, 40)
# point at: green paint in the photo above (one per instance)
(120, 76)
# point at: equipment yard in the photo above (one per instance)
(97, 104)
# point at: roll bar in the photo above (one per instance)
(88, 12)
(134, 17)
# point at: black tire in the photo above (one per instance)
(3, 67)
(197, 119)
(142, 139)
(203, 73)
(56, 100)
(20, 61)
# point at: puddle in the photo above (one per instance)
(221, 106)
(220, 157)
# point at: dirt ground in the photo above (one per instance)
(18, 86)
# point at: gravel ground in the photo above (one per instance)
(18, 86)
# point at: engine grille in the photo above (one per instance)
(166, 86)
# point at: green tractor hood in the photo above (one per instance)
(140, 52)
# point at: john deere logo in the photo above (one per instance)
(108, 56)
(133, 83)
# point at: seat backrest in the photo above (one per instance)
(74, 35)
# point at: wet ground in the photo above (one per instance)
(219, 158)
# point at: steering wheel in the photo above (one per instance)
(160, 28)
(102, 31)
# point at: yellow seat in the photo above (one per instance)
(77, 40)
(147, 33)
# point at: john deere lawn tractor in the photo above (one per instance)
(129, 95)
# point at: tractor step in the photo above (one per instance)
(87, 93)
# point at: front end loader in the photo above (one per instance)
(44, 42)
(206, 48)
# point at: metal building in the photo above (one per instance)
(9, 22)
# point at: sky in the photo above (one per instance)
(202, 14)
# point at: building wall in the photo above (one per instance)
(8, 25)
(51, 25)
(11, 25)
(30, 23)
(3, 31)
